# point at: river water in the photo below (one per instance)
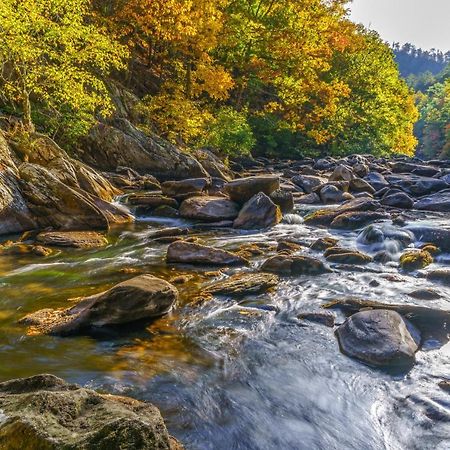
(235, 375)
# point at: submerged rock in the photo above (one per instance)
(413, 260)
(440, 275)
(45, 412)
(211, 209)
(242, 284)
(191, 253)
(243, 189)
(295, 265)
(141, 298)
(76, 239)
(322, 318)
(322, 244)
(379, 337)
(346, 256)
(258, 213)
(357, 219)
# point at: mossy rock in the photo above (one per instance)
(415, 259)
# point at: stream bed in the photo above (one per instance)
(230, 374)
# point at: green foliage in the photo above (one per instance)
(53, 57)
(230, 133)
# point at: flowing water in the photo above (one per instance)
(235, 375)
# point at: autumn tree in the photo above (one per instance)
(53, 56)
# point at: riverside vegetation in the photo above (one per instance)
(214, 207)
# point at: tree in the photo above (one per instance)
(54, 56)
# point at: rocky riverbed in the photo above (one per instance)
(291, 304)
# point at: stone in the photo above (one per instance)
(294, 265)
(341, 173)
(309, 199)
(45, 412)
(322, 244)
(75, 239)
(425, 294)
(288, 247)
(165, 211)
(439, 275)
(357, 219)
(191, 253)
(360, 185)
(144, 297)
(413, 260)
(417, 186)
(150, 200)
(375, 233)
(436, 202)
(376, 180)
(438, 236)
(243, 189)
(242, 284)
(20, 249)
(258, 213)
(397, 200)
(122, 144)
(346, 256)
(307, 182)
(379, 338)
(184, 188)
(324, 217)
(213, 164)
(210, 209)
(332, 194)
(323, 318)
(283, 199)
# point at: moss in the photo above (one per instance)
(415, 259)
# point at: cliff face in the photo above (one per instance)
(41, 186)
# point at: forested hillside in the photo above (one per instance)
(284, 78)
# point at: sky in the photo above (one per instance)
(424, 23)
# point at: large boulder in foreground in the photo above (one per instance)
(379, 337)
(243, 189)
(258, 213)
(121, 144)
(190, 253)
(44, 412)
(210, 209)
(141, 298)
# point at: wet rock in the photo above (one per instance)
(379, 337)
(122, 144)
(425, 294)
(323, 243)
(380, 233)
(415, 259)
(332, 194)
(437, 202)
(242, 284)
(210, 209)
(191, 253)
(376, 180)
(346, 256)
(150, 200)
(309, 199)
(45, 412)
(324, 217)
(360, 185)
(75, 239)
(307, 182)
(439, 275)
(397, 200)
(243, 189)
(322, 318)
(283, 199)
(141, 298)
(417, 169)
(258, 213)
(168, 232)
(361, 169)
(295, 265)
(213, 164)
(417, 186)
(19, 249)
(445, 385)
(184, 188)
(288, 247)
(341, 173)
(254, 249)
(166, 211)
(357, 219)
(439, 237)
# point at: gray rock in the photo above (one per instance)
(379, 337)
(211, 209)
(341, 173)
(258, 213)
(308, 182)
(357, 219)
(376, 180)
(184, 188)
(283, 199)
(437, 202)
(45, 412)
(242, 190)
(431, 235)
(397, 200)
(295, 265)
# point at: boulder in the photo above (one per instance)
(425, 294)
(242, 190)
(413, 260)
(184, 188)
(210, 209)
(149, 200)
(242, 284)
(322, 244)
(397, 200)
(332, 194)
(341, 173)
(439, 237)
(323, 318)
(309, 199)
(376, 180)
(360, 185)
(307, 182)
(294, 265)
(439, 275)
(258, 213)
(283, 199)
(379, 338)
(375, 233)
(75, 239)
(346, 256)
(213, 164)
(357, 219)
(57, 205)
(191, 253)
(436, 202)
(417, 186)
(141, 298)
(45, 412)
(121, 144)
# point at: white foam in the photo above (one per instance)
(3, 417)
